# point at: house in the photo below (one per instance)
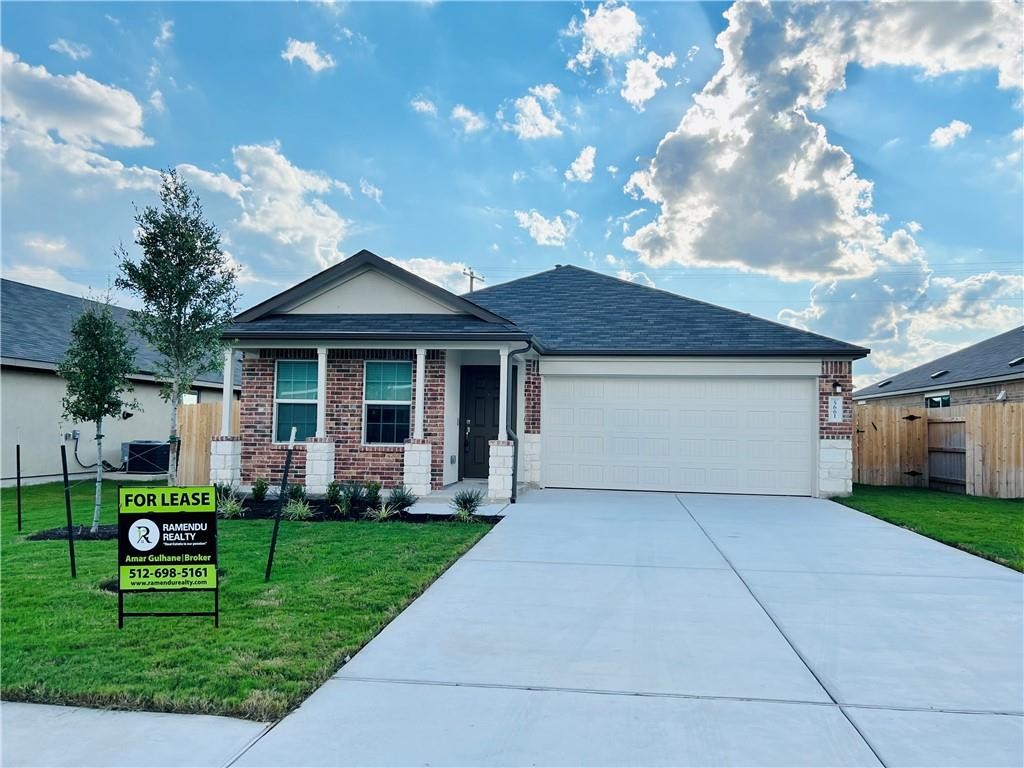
(986, 372)
(566, 378)
(35, 329)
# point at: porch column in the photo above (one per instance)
(321, 392)
(421, 373)
(228, 392)
(503, 394)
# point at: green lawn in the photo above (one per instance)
(335, 585)
(990, 528)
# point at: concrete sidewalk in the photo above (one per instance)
(594, 628)
(42, 735)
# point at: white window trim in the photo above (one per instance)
(287, 400)
(367, 403)
(944, 393)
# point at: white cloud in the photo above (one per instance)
(582, 168)
(52, 250)
(216, 182)
(613, 170)
(308, 54)
(518, 176)
(469, 121)
(447, 274)
(423, 106)
(80, 110)
(76, 51)
(156, 100)
(44, 277)
(165, 35)
(635, 277)
(642, 80)
(537, 116)
(547, 231)
(369, 190)
(946, 135)
(912, 226)
(750, 180)
(612, 31)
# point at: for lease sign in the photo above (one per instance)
(167, 538)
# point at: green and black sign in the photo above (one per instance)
(167, 541)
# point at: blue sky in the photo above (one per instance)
(861, 178)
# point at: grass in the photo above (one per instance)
(989, 528)
(335, 585)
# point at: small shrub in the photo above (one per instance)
(296, 492)
(466, 503)
(297, 509)
(229, 503)
(333, 493)
(260, 488)
(372, 496)
(381, 513)
(402, 497)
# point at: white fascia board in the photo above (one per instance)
(343, 344)
(678, 366)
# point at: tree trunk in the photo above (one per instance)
(99, 476)
(172, 460)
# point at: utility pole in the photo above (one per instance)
(473, 276)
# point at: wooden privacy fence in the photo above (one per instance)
(197, 425)
(972, 449)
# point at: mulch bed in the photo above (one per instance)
(324, 512)
(81, 533)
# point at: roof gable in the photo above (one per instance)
(570, 310)
(988, 359)
(366, 284)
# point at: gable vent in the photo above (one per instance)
(885, 383)
(939, 374)
(1017, 361)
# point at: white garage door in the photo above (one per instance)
(713, 435)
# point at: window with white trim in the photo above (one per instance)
(937, 400)
(295, 400)
(387, 402)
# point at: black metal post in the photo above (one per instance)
(17, 455)
(67, 507)
(280, 504)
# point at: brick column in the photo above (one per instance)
(531, 442)
(835, 438)
(416, 466)
(226, 460)
(499, 474)
(319, 464)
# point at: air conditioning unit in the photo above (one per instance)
(146, 457)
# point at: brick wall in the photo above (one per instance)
(984, 393)
(835, 371)
(344, 418)
(531, 409)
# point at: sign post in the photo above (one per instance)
(167, 542)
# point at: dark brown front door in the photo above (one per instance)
(478, 420)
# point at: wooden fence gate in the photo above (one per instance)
(197, 425)
(973, 449)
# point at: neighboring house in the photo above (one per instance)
(986, 372)
(35, 329)
(592, 382)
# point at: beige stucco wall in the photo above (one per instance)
(30, 411)
(985, 393)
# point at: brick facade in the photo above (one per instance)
(833, 371)
(344, 417)
(531, 388)
(981, 393)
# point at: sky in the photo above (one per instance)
(852, 169)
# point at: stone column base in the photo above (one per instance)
(499, 476)
(319, 465)
(530, 448)
(416, 466)
(835, 468)
(226, 460)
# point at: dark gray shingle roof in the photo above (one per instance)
(570, 310)
(984, 360)
(371, 326)
(35, 326)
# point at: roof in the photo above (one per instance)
(989, 359)
(356, 263)
(570, 310)
(35, 328)
(373, 327)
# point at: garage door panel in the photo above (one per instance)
(714, 435)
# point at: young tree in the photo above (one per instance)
(187, 288)
(96, 368)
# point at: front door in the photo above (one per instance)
(478, 420)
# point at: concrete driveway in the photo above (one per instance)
(613, 628)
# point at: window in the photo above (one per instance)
(189, 398)
(295, 400)
(937, 401)
(387, 395)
